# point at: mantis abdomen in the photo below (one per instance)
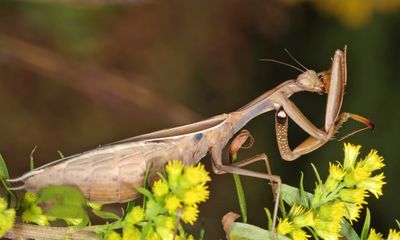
(106, 175)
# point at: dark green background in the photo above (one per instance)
(132, 69)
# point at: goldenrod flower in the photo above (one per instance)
(172, 203)
(352, 211)
(393, 235)
(165, 221)
(374, 235)
(202, 192)
(304, 220)
(190, 237)
(174, 168)
(153, 236)
(350, 155)
(373, 185)
(189, 214)
(295, 211)
(284, 227)
(135, 215)
(331, 211)
(336, 171)
(336, 174)
(190, 197)
(372, 161)
(160, 188)
(196, 174)
(3, 204)
(299, 234)
(131, 233)
(112, 236)
(358, 175)
(7, 219)
(356, 195)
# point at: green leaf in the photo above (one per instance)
(348, 231)
(291, 195)
(31, 161)
(241, 197)
(145, 180)
(60, 154)
(202, 230)
(366, 226)
(106, 215)
(3, 169)
(268, 213)
(144, 191)
(398, 223)
(62, 202)
(243, 231)
(303, 197)
(316, 173)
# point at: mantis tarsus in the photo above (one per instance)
(110, 173)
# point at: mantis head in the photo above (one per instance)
(310, 81)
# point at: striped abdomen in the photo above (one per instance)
(107, 174)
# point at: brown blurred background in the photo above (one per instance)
(75, 74)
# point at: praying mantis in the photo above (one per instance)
(111, 172)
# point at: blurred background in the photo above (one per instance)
(75, 74)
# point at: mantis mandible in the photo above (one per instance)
(110, 173)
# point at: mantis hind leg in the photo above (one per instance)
(235, 168)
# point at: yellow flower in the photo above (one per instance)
(373, 185)
(196, 195)
(190, 197)
(7, 219)
(374, 235)
(336, 171)
(336, 174)
(3, 204)
(304, 220)
(135, 215)
(358, 175)
(327, 235)
(331, 211)
(172, 203)
(160, 188)
(350, 155)
(153, 236)
(112, 236)
(202, 192)
(284, 227)
(393, 235)
(356, 195)
(299, 234)
(296, 210)
(189, 214)
(196, 174)
(131, 233)
(328, 229)
(372, 161)
(174, 168)
(190, 237)
(352, 211)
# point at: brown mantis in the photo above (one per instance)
(110, 173)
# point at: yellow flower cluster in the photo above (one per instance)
(353, 13)
(7, 217)
(393, 235)
(340, 196)
(174, 197)
(32, 212)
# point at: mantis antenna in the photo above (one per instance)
(294, 59)
(283, 63)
